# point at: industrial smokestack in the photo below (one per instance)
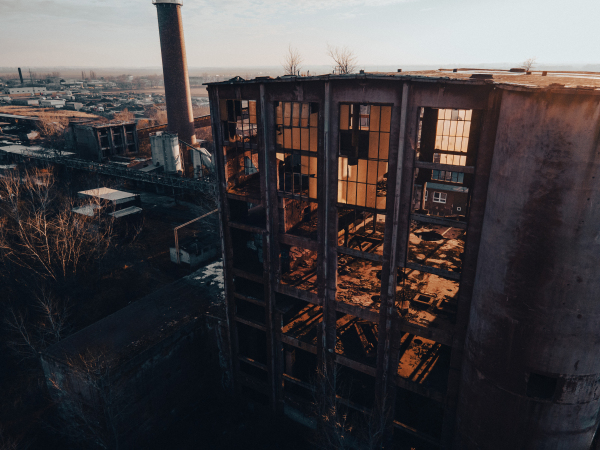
(175, 70)
(21, 75)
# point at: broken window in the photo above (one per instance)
(364, 143)
(240, 135)
(296, 137)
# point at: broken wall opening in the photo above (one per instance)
(359, 282)
(364, 142)
(438, 246)
(356, 339)
(300, 320)
(248, 213)
(296, 142)
(356, 386)
(252, 343)
(447, 147)
(248, 288)
(424, 362)
(239, 126)
(247, 249)
(361, 230)
(426, 299)
(249, 311)
(298, 267)
(419, 413)
(298, 217)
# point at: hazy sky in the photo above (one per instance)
(111, 33)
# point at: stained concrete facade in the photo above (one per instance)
(471, 329)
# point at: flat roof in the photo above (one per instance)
(109, 194)
(126, 212)
(149, 320)
(589, 81)
(86, 210)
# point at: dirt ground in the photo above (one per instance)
(196, 91)
(43, 112)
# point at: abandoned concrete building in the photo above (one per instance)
(429, 238)
(101, 141)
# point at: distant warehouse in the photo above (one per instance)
(25, 90)
(52, 103)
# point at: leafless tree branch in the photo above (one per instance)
(528, 64)
(344, 59)
(292, 61)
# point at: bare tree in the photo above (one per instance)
(125, 116)
(29, 336)
(292, 61)
(93, 407)
(53, 130)
(528, 64)
(344, 59)
(42, 234)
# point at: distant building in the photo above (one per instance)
(75, 106)
(25, 101)
(111, 202)
(100, 141)
(25, 90)
(53, 103)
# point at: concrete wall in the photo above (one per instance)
(531, 373)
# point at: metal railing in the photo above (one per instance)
(206, 185)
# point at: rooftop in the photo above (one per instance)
(108, 194)
(149, 320)
(535, 79)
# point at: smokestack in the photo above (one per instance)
(175, 71)
(21, 75)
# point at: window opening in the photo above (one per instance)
(363, 155)
(296, 137)
(445, 136)
(356, 339)
(426, 299)
(359, 282)
(298, 267)
(440, 197)
(240, 135)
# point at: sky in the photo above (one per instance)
(246, 33)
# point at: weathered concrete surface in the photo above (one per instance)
(536, 302)
(163, 354)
